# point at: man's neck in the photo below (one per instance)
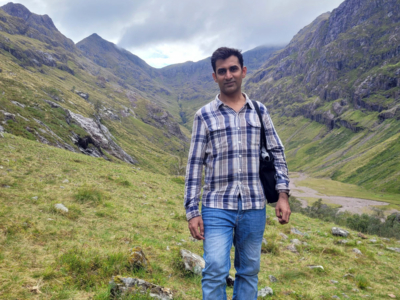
(235, 101)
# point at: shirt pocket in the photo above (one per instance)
(253, 131)
(220, 137)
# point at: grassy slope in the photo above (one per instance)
(369, 158)
(29, 87)
(74, 255)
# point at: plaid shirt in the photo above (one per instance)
(228, 144)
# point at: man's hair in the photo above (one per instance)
(224, 53)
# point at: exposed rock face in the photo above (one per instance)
(100, 136)
(161, 118)
(339, 232)
(333, 59)
(82, 94)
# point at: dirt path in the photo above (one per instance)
(353, 205)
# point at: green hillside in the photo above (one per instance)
(48, 254)
(334, 95)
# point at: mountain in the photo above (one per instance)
(50, 92)
(342, 72)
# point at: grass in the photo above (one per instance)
(74, 255)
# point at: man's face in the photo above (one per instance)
(228, 74)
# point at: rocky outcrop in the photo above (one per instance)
(100, 136)
(127, 286)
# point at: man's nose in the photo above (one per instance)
(228, 75)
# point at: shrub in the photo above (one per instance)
(89, 194)
(362, 282)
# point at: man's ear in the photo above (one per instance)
(244, 71)
(214, 77)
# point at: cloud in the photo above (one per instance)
(173, 28)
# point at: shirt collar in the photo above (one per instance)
(218, 102)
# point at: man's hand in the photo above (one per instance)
(282, 209)
(196, 228)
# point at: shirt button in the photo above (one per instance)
(240, 183)
(240, 170)
(219, 127)
(240, 156)
(238, 128)
(239, 142)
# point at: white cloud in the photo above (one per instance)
(181, 30)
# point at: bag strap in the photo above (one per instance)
(263, 139)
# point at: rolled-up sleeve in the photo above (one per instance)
(276, 147)
(195, 167)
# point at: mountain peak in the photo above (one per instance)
(20, 11)
(17, 10)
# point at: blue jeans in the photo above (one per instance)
(243, 228)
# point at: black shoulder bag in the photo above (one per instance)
(267, 167)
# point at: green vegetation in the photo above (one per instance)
(74, 255)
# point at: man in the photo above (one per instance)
(226, 139)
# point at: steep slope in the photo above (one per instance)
(341, 71)
(51, 93)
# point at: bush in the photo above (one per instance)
(363, 223)
(89, 194)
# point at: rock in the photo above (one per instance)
(393, 249)
(61, 207)
(272, 278)
(35, 198)
(361, 235)
(334, 281)
(18, 104)
(359, 242)
(230, 281)
(335, 297)
(168, 248)
(82, 95)
(138, 260)
(385, 239)
(193, 262)
(1, 129)
(344, 295)
(52, 104)
(65, 181)
(339, 232)
(344, 242)
(130, 286)
(373, 241)
(380, 253)
(295, 242)
(292, 248)
(8, 116)
(100, 137)
(357, 251)
(296, 231)
(265, 292)
(284, 236)
(316, 267)
(192, 239)
(264, 241)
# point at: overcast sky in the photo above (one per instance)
(164, 32)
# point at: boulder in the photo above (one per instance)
(339, 232)
(130, 286)
(138, 260)
(8, 116)
(357, 251)
(265, 292)
(82, 95)
(193, 262)
(61, 207)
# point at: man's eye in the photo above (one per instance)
(221, 71)
(233, 69)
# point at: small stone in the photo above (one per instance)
(265, 292)
(359, 242)
(179, 244)
(344, 242)
(296, 231)
(50, 219)
(272, 278)
(264, 241)
(372, 241)
(193, 262)
(283, 236)
(335, 297)
(61, 187)
(334, 281)
(339, 232)
(35, 198)
(344, 295)
(65, 181)
(230, 281)
(6, 186)
(61, 207)
(355, 290)
(292, 248)
(316, 267)
(137, 259)
(380, 253)
(183, 241)
(385, 239)
(305, 244)
(393, 249)
(295, 242)
(192, 239)
(168, 248)
(357, 251)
